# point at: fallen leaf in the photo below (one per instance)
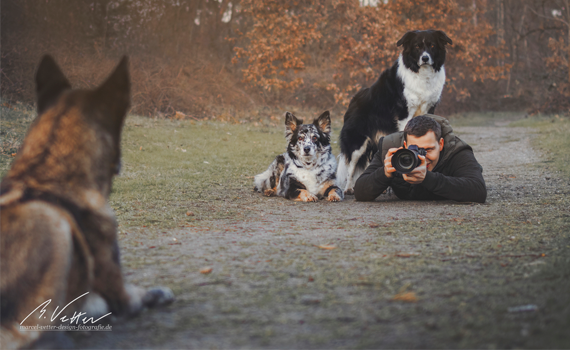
(206, 270)
(408, 297)
(326, 246)
(406, 255)
(13, 154)
(152, 246)
(189, 213)
(140, 149)
(373, 225)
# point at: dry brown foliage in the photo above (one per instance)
(160, 87)
(227, 58)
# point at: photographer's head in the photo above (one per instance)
(425, 133)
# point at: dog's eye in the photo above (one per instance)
(417, 46)
(314, 139)
(301, 138)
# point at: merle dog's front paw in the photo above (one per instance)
(349, 192)
(158, 296)
(306, 196)
(270, 192)
(335, 196)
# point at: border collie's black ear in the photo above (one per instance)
(323, 122)
(291, 122)
(114, 96)
(443, 38)
(406, 38)
(50, 83)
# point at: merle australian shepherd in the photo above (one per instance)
(411, 87)
(306, 172)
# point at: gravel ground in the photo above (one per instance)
(400, 275)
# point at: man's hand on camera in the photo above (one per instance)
(389, 170)
(418, 175)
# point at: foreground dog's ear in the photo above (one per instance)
(291, 122)
(50, 83)
(323, 122)
(442, 38)
(113, 96)
(406, 38)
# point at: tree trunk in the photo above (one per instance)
(500, 25)
(568, 41)
(474, 13)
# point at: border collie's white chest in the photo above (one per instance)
(422, 90)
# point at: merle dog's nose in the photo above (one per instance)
(425, 58)
(307, 149)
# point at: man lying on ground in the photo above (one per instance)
(449, 169)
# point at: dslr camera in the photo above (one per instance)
(406, 160)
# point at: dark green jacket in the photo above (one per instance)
(457, 175)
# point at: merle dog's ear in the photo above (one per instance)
(323, 122)
(442, 38)
(291, 122)
(406, 38)
(50, 83)
(113, 97)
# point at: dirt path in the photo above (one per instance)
(273, 287)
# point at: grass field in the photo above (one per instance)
(553, 139)
(192, 180)
(170, 167)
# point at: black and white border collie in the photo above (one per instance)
(306, 172)
(411, 87)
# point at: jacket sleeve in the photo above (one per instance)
(465, 182)
(373, 181)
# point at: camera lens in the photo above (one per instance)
(406, 161)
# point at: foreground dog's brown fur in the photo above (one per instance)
(58, 234)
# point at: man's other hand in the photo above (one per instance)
(418, 175)
(389, 170)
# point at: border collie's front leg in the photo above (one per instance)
(351, 178)
(432, 109)
(411, 114)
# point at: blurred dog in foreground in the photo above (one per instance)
(306, 172)
(59, 251)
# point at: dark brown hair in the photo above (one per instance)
(420, 125)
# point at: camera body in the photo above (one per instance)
(406, 160)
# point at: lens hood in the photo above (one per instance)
(406, 160)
